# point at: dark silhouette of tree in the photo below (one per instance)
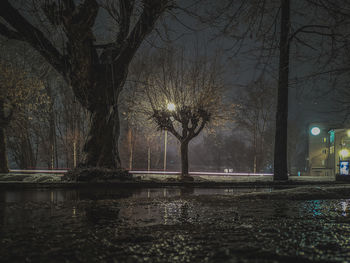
(95, 70)
(280, 153)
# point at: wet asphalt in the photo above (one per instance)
(172, 225)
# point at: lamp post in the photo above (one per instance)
(170, 107)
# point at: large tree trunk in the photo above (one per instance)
(184, 159)
(3, 153)
(280, 160)
(101, 148)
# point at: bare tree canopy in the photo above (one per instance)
(182, 96)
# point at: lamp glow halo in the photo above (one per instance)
(315, 131)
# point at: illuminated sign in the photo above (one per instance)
(344, 168)
(331, 136)
(315, 131)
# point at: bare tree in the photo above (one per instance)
(254, 113)
(270, 32)
(20, 97)
(183, 96)
(96, 70)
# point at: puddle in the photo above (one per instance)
(62, 195)
(169, 225)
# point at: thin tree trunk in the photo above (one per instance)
(52, 139)
(280, 156)
(149, 158)
(184, 159)
(255, 146)
(3, 153)
(27, 159)
(131, 148)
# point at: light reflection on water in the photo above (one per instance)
(143, 207)
(345, 207)
(119, 216)
(59, 195)
(325, 208)
(134, 206)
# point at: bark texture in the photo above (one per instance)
(280, 155)
(103, 136)
(184, 158)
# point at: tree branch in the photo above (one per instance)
(174, 132)
(201, 127)
(304, 43)
(32, 36)
(6, 32)
(303, 30)
(125, 12)
(151, 12)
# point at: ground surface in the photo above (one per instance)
(176, 225)
(29, 178)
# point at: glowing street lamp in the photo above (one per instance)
(170, 107)
(315, 131)
(344, 153)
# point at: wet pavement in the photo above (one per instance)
(170, 225)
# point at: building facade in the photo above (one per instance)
(329, 149)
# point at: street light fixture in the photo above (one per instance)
(170, 107)
(315, 131)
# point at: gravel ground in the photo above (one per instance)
(293, 225)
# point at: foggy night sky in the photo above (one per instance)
(307, 101)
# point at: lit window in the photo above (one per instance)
(331, 136)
